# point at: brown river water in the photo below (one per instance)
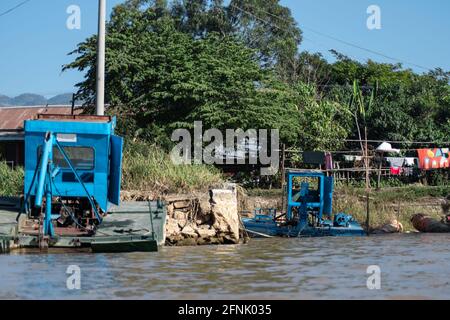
(412, 266)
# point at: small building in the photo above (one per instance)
(12, 132)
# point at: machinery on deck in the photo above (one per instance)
(72, 173)
(308, 197)
(73, 170)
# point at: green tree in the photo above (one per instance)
(269, 28)
(159, 78)
(324, 123)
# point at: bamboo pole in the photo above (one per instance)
(366, 162)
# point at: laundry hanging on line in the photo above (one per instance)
(401, 161)
(318, 158)
(396, 171)
(352, 158)
(436, 158)
(328, 161)
(314, 157)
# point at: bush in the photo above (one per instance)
(11, 180)
(148, 168)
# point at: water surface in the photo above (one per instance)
(412, 266)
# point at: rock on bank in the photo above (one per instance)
(211, 218)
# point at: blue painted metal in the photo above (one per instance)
(44, 164)
(96, 135)
(342, 220)
(79, 160)
(115, 170)
(83, 185)
(48, 226)
(309, 199)
(328, 196)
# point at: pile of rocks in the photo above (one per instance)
(203, 219)
(393, 226)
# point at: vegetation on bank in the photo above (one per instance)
(148, 168)
(391, 204)
(11, 180)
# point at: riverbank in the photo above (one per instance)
(385, 205)
(149, 175)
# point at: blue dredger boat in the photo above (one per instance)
(73, 166)
(309, 197)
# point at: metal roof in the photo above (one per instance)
(11, 136)
(12, 118)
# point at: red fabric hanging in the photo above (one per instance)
(396, 171)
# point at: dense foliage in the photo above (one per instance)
(11, 180)
(148, 168)
(239, 65)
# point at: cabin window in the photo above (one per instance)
(313, 188)
(82, 158)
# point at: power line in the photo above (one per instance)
(366, 49)
(14, 8)
(257, 18)
(326, 47)
(329, 37)
(282, 29)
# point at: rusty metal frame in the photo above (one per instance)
(69, 117)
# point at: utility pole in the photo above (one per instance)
(100, 101)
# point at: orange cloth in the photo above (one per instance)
(433, 158)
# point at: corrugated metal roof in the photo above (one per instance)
(12, 118)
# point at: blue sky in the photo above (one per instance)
(35, 40)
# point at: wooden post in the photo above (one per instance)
(283, 159)
(379, 170)
(73, 104)
(366, 162)
(283, 176)
(368, 212)
(366, 159)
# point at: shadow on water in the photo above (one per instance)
(412, 266)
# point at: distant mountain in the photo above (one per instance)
(65, 98)
(31, 99)
(5, 100)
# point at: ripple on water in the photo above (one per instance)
(315, 268)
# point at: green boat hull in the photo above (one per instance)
(148, 245)
(132, 227)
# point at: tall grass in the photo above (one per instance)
(148, 168)
(11, 180)
(385, 206)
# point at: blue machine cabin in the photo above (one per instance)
(308, 197)
(74, 164)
